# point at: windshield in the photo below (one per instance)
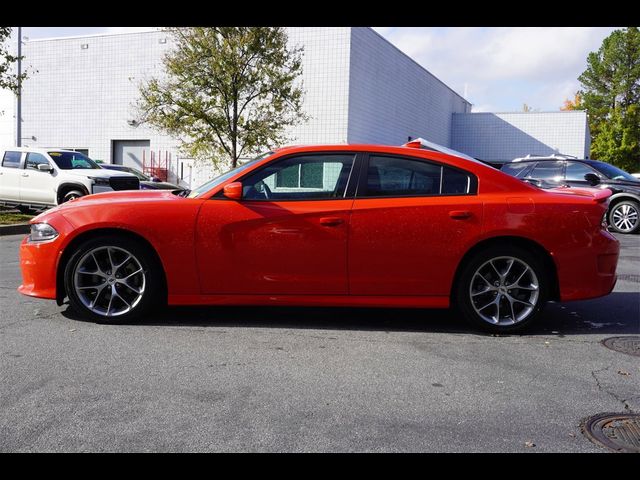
(614, 173)
(72, 160)
(225, 176)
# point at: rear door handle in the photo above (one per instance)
(460, 214)
(25, 174)
(331, 221)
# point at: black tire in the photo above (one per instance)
(24, 209)
(462, 299)
(624, 217)
(71, 194)
(152, 286)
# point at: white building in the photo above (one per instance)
(359, 89)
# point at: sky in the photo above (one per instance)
(497, 69)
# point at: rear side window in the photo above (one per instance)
(516, 169)
(547, 170)
(11, 159)
(397, 177)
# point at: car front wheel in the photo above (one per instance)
(112, 280)
(502, 289)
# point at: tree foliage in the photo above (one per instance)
(575, 104)
(8, 79)
(611, 95)
(228, 91)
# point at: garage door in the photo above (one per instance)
(129, 152)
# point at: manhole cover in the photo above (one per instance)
(629, 345)
(617, 431)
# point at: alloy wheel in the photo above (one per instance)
(109, 281)
(625, 217)
(504, 291)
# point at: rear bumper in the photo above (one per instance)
(589, 272)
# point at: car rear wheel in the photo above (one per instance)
(624, 217)
(112, 280)
(502, 289)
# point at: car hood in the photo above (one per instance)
(97, 173)
(623, 183)
(159, 185)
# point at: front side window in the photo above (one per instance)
(11, 159)
(576, 171)
(35, 159)
(305, 177)
(73, 160)
(547, 170)
(397, 177)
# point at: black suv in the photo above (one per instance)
(548, 172)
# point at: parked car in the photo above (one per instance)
(548, 172)
(146, 182)
(35, 178)
(354, 225)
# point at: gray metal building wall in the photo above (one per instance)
(391, 97)
(500, 137)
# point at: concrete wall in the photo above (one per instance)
(391, 97)
(500, 137)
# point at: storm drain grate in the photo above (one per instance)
(629, 277)
(628, 345)
(617, 431)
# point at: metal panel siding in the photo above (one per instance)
(391, 97)
(505, 136)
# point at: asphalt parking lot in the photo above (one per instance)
(311, 379)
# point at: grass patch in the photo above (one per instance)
(12, 218)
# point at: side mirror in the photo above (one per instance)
(45, 167)
(233, 191)
(592, 178)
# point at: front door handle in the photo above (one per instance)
(460, 214)
(331, 221)
(25, 174)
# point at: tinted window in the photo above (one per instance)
(455, 181)
(35, 159)
(71, 160)
(547, 170)
(11, 159)
(305, 177)
(389, 176)
(394, 177)
(576, 171)
(515, 169)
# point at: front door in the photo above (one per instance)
(37, 186)
(288, 235)
(411, 223)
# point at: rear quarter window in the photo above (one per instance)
(11, 159)
(516, 169)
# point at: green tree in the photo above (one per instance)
(8, 79)
(228, 91)
(611, 94)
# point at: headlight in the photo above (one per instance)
(41, 232)
(100, 181)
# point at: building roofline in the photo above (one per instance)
(524, 113)
(91, 35)
(414, 61)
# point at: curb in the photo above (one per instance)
(15, 229)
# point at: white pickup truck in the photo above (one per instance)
(35, 178)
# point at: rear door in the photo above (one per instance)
(10, 171)
(411, 222)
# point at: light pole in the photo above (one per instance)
(19, 105)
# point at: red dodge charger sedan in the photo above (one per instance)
(354, 225)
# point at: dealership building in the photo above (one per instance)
(359, 88)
